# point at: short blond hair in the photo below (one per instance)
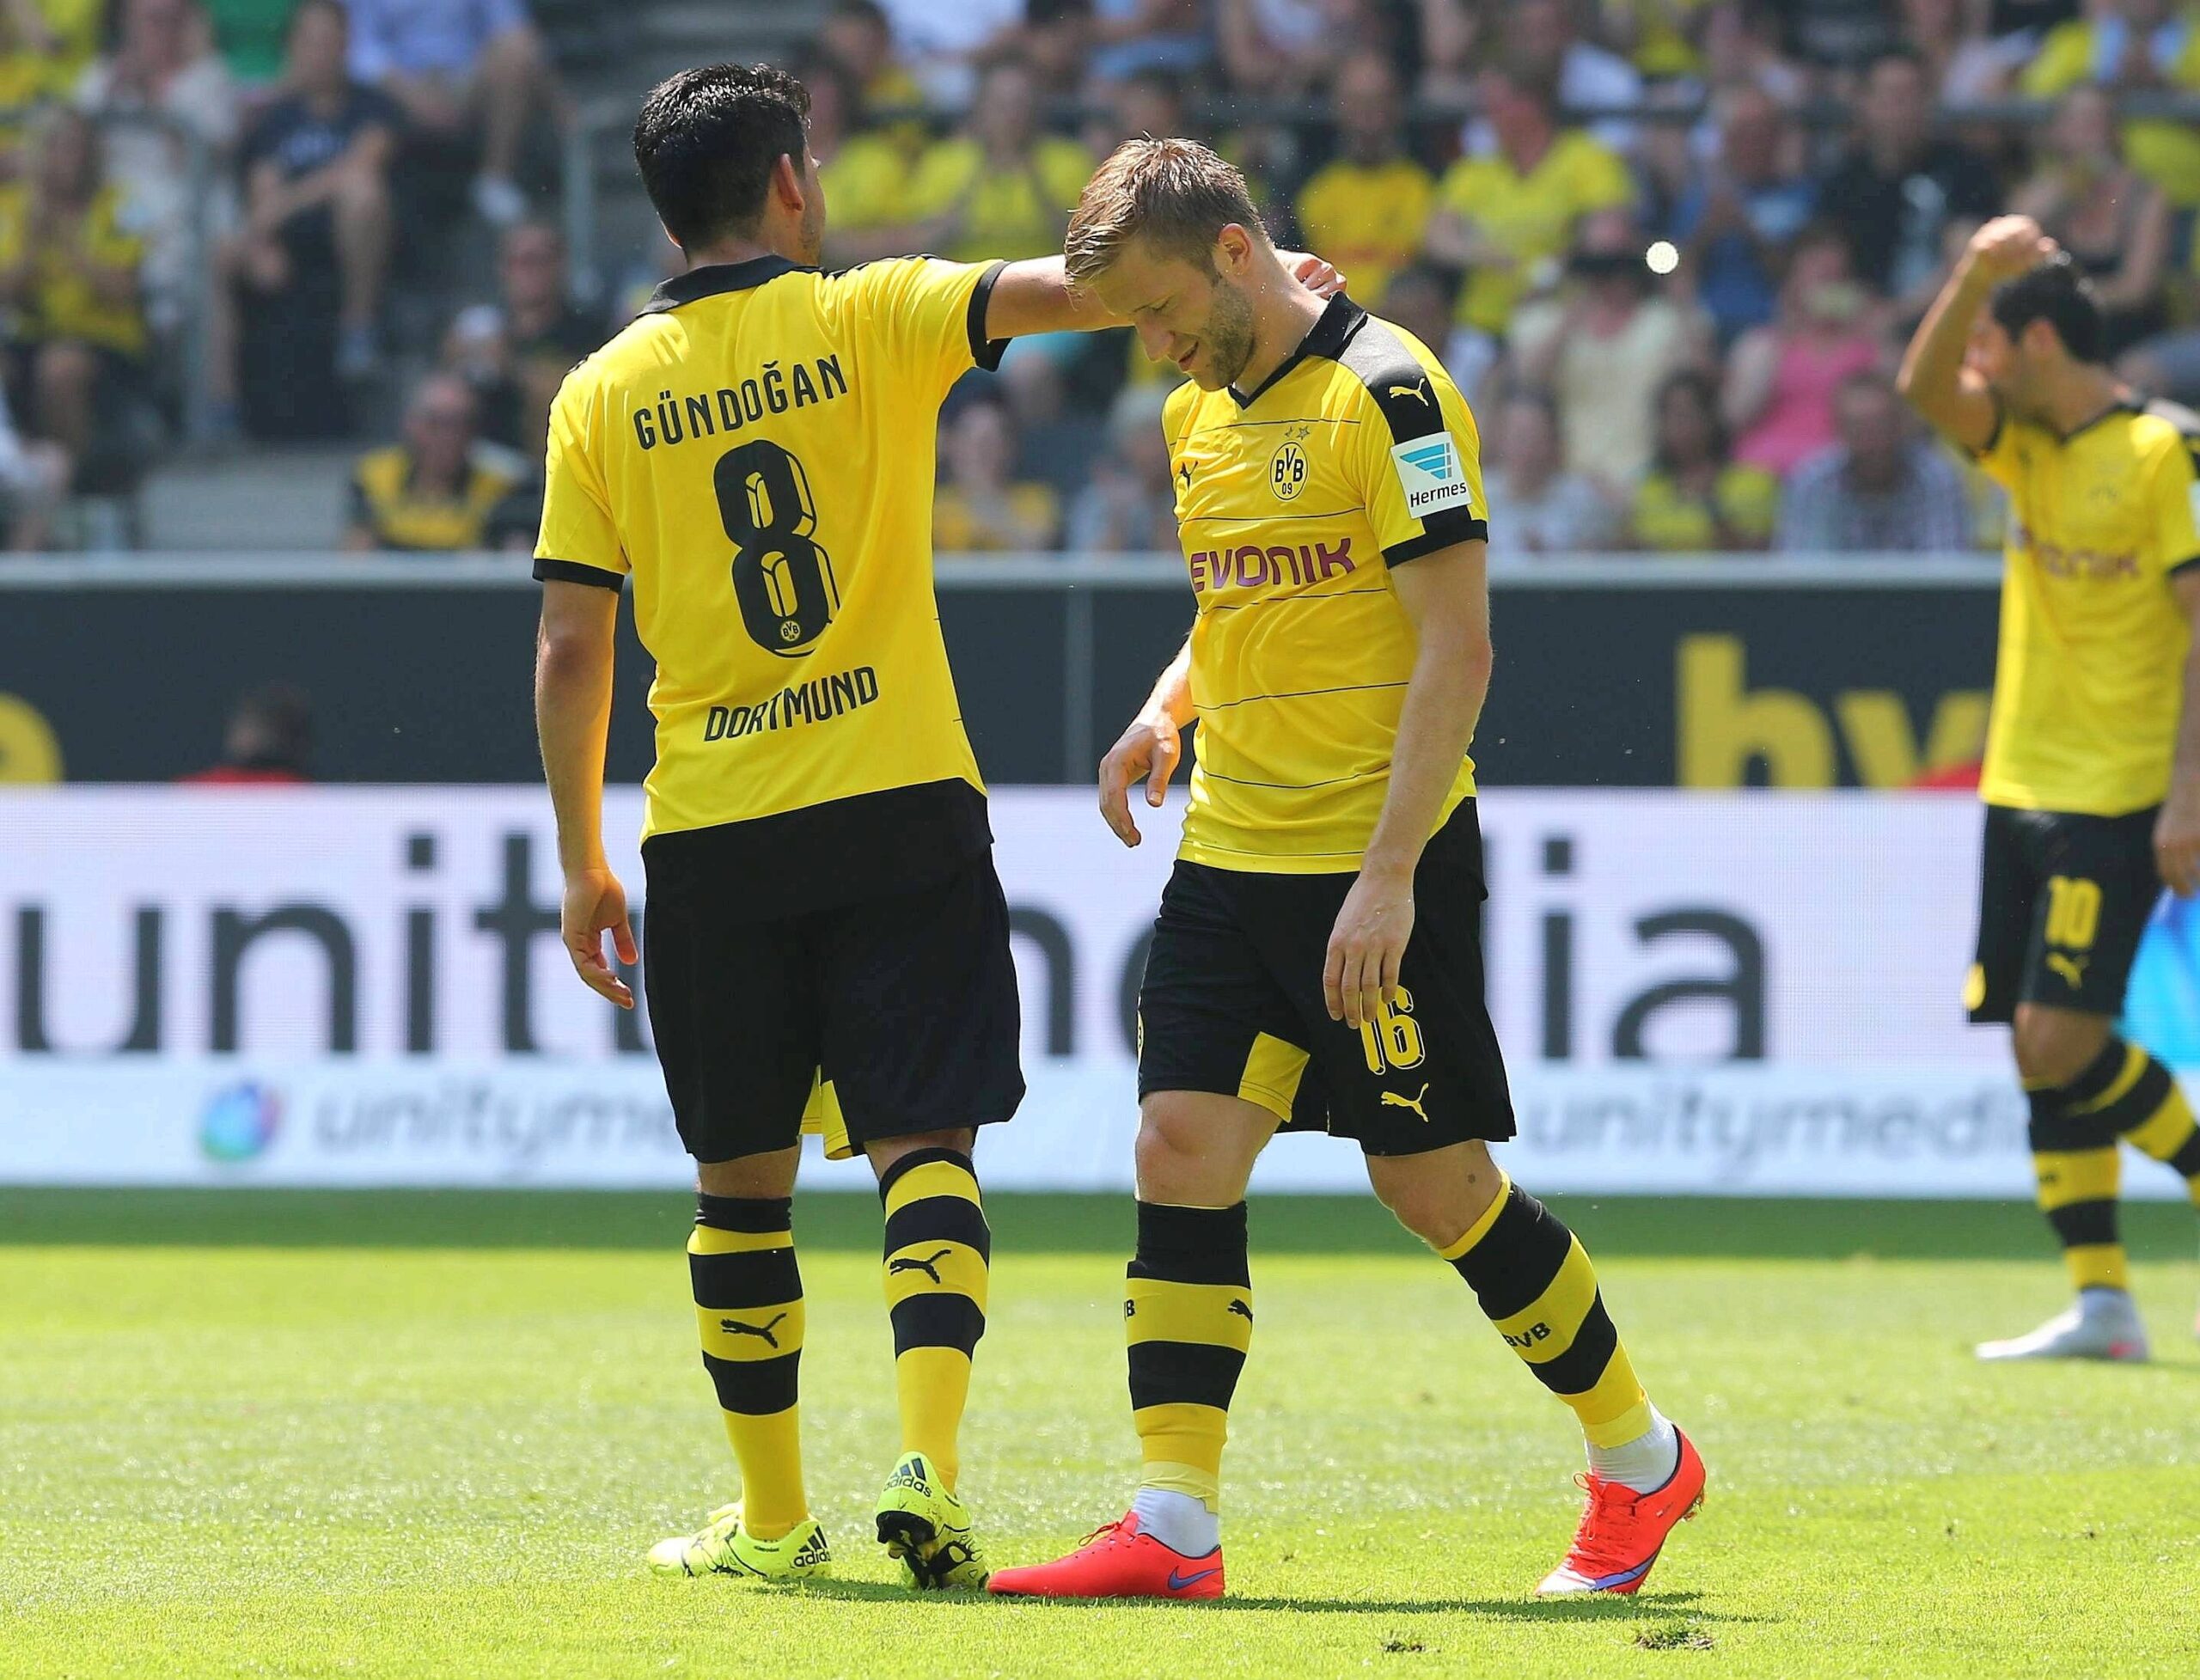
(1175, 194)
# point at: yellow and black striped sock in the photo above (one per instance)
(748, 1301)
(938, 1248)
(1189, 1313)
(1533, 1279)
(2075, 1164)
(2139, 1101)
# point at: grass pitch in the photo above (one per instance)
(397, 1435)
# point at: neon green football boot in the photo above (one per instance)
(924, 1525)
(723, 1546)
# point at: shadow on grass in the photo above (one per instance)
(1662, 1226)
(1685, 1606)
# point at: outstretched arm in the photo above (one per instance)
(1951, 397)
(1035, 296)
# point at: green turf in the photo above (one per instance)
(409, 1435)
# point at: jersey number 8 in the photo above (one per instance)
(782, 581)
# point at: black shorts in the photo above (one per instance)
(1232, 1003)
(893, 1015)
(2062, 899)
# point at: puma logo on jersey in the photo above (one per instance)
(1419, 392)
(1392, 1100)
(1184, 473)
(929, 1268)
(1240, 1309)
(2072, 968)
(766, 1334)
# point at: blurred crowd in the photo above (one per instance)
(1670, 248)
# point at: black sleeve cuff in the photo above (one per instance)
(2184, 565)
(565, 571)
(984, 351)
(1439, 532)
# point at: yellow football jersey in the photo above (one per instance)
(1368, 219)
(1529, 216)
(755, 451)
(2089, 682)
(1293, 502)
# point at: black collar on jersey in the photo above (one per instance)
(712, 279)
(2123, 405)
(1339, 321)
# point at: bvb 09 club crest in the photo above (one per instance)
(1287, 471)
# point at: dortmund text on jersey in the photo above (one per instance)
(756, 451)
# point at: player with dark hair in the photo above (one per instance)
(1317, 961)
(827, 943)
(2091, 779)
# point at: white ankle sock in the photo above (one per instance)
(1645, 1463)
(1178, 1521)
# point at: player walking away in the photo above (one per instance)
(827, 942)
(2091, 779)
(1330, 502)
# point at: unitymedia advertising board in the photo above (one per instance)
(1750, 993)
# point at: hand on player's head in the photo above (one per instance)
(2010, 245)
(1317, 276)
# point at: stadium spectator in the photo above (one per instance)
(464, 70)
(1151, 103)
(1837, 34)
(1535, 506)
(69, 263)
(250, 34)
(1130, 507)
(2112, 219)
(1507, 218)
(318, 226)
(1603, 346)
(865, 171)
(1284, 47)
(1057, 440)
(2133, 46)
(265, 742)
(1541, 42)
(859, 37)
(1742, 49)
(1898, 189)
(1129, 36)
(1964, 61)
(1881, 487)
(1734, 218)
(982, 506)
(1695, 497)
(164, 67)
(1781, 377)
(1417, 298)
(1367, 209)
(942, 43)
(1001, 188)
(514, 352)
(34, 476)
(1661, 39)
(440, 488)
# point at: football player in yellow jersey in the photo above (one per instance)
(1317, 958)
(2091, 779)
(827, 936)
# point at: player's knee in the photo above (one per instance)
(1438, 1205)
(2054, 1046)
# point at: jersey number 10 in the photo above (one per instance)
(782, 581)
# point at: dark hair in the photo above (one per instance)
(706, 142)
(2058, 293)
(1698, 385)
(869, 10)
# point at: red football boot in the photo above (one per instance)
(1117, 1561)
(1622, 1531)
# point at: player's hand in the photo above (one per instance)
(2006, 247)
(1149, 750)
(1313, 273)
(596, 904)
(1367, 946)
(2177, 841)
